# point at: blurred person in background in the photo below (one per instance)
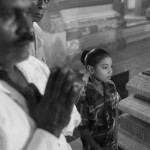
(37, 11)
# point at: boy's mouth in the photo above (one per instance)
(109, 77)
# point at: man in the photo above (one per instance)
(48, 47)
(37, 10)
(28, 120)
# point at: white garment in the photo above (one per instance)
(55, 48)
(17, 128)
(49, 47)
(36, 48)
(74, 122)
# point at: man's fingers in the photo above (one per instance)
(60, 115)
(59, 92)
(51, 81)
(67, 85)
(70, 101)
(61, 82)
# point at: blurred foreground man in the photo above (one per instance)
(34, 110)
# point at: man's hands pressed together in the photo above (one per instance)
(53, 111)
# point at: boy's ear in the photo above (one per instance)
(90, 69)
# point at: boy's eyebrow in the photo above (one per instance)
(106, 64)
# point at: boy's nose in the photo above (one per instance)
(110, 71)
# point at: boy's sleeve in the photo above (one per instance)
(83, 109)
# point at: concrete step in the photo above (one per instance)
(136, 32)
(136, 107)
(128, 142)
(140, 84)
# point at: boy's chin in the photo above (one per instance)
(107, 80)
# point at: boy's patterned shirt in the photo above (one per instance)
(98, 108)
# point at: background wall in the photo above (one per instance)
(71, 26)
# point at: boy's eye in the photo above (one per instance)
(105, 67)
(46, 1)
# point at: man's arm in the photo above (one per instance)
(51, 115)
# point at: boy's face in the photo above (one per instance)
(15, 31)
(103, 70)
(38, 9)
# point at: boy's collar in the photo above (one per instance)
(92, 86)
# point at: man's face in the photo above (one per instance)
(15, 31)
(38, 9)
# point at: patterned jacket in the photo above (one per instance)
(98, 109)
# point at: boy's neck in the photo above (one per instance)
(96, 81)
